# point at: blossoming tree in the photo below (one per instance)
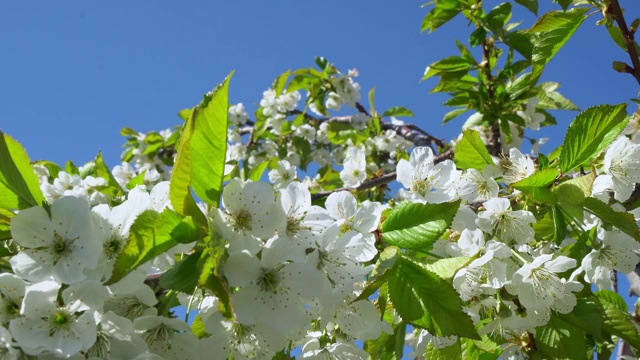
(484, 252)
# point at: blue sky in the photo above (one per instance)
(75, 72)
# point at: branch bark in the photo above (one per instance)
(384, 179)
(628, 36)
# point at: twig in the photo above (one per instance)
(361, 109)
(628, 36)
(411, 132)
(384, 179)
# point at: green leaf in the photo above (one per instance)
(521, 85)
(450, 352)
(443, 11)
(531, 5)
(184, 114)
(559, 225)
(553, 30)
(574, 191)
(71, 168)
(201, 155)
(412, 289)
(19, 185)
(498, 16)
(536, 186)
(590, 132)
(449, 64)
(184, 275)
(340, 133)
(398, 111)
(417, 226)
(555, 19)
(477, 36)
(470, 152)
(521, 41)
(151, 234)
(387, 346)
(484, 349)
(278, 83)
(553, 100)
(559, 339)
(588, 316)
(541, 178)
(453, 114)
(622, 220)
(617, 319)
(209, 144)
(136, 180)
(210, 272)
(563, 3)
(198, 328)
(5, 227)
(448, 267)
(103, 171)
(618, 38)
(455, 81)
(52, 167)
(258, 170)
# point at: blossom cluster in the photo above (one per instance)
(296, 267)
(500, 239)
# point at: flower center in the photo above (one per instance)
(269, 280)
(161, 334)
(113, 246)
(60, 320)
(241, 220)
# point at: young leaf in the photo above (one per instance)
(470, 152)
(536, 186)
(448, 267)
(559, 339)
(278, 83)
(103, 171)
(538, 179)
(151, 234)
(553, 100)
(449, 64)
(453, 114)
(531, 5)
(19, 185)
(617, 320)
(417, 226)
(449, 352)
(209, 144)
(412, 290)
(622, 220)
(590, 132)
(184, 275)
(398, 111)
(444, 11)
(553, 30)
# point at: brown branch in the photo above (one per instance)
(384, 179)
(410, 132)
(628, 36)
(361, 109)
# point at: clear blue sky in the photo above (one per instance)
(73, 73)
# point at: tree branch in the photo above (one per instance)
(411, 132)
(628, 36)
(384, 179)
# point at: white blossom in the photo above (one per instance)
(60, 247)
